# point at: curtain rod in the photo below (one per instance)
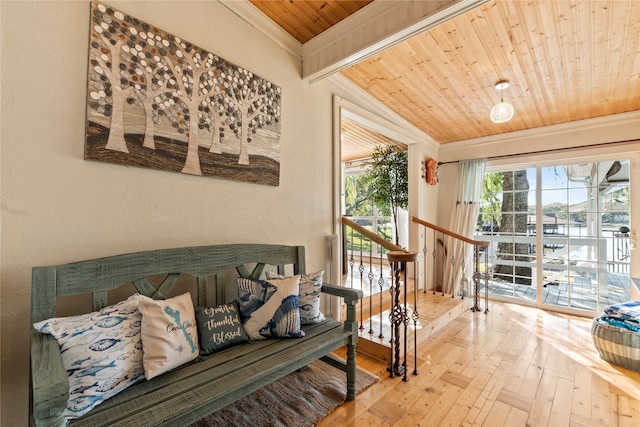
(553, 150)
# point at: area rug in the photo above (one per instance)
(298, 399)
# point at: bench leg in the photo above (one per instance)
(351, 371)
(351, 324)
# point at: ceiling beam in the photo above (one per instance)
(375, 27)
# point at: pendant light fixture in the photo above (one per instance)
(503, 111)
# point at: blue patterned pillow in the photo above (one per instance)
(101, 352)
(310, 286)
(270, 308)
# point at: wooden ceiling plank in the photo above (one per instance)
(567, 66)
(616, 15)
(598, 67)
(490, 52)
(479, 118)
(580, 30)
(306, 19)
(614, 55)
(632, 53)
(427, 81)
(362, 141)
(316, 16)
(474, 53)
(620, 53)
(479, 74)
(514, 60)
(373, 29)
(456, 84)
(281, 12)
(533, 38)
(527, 58)
(552, 61)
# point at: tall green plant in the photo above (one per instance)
(491, 204)
(389, 181)
(356, 196)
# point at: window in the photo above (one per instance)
(559, 234)
(360, 207)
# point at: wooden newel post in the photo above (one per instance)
(399, 310)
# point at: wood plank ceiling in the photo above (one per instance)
(306, 19)
(566, 60)
(358, 141)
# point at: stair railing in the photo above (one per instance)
(355, 239)
(452, 248)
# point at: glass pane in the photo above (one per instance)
(553, 177)
(583, 198)
(581, 174)
(357, 202)
(355, 241)
(554, 200)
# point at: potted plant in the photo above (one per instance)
(389, 183)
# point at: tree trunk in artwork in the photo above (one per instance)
(192, 163)
(116, 139)
(149, 134)
(244, 135)
(216, 140)
(513, 221)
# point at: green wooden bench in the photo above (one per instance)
(188, 393)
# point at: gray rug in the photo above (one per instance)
(299, 399)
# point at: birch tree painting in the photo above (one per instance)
(155, 100)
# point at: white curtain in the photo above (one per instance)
(464, 215)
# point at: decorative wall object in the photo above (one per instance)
(430, 171)
(157, 101)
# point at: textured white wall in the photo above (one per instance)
(57, 207)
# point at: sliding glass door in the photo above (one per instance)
(559, 234)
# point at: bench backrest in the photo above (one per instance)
(208, 264)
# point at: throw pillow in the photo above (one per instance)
(101, 352)
(309, 302)
(169, 333)
(270, 308)
(219, 327)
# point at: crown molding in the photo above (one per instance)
(254, 17)
(613, 128)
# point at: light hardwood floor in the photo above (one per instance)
(514, 366)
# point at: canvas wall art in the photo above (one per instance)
(155, 100)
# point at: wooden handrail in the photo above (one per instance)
(449, 233)
(371, 236)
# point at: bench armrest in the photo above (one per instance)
(50, 382)
(351, 299)
(351, 296)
